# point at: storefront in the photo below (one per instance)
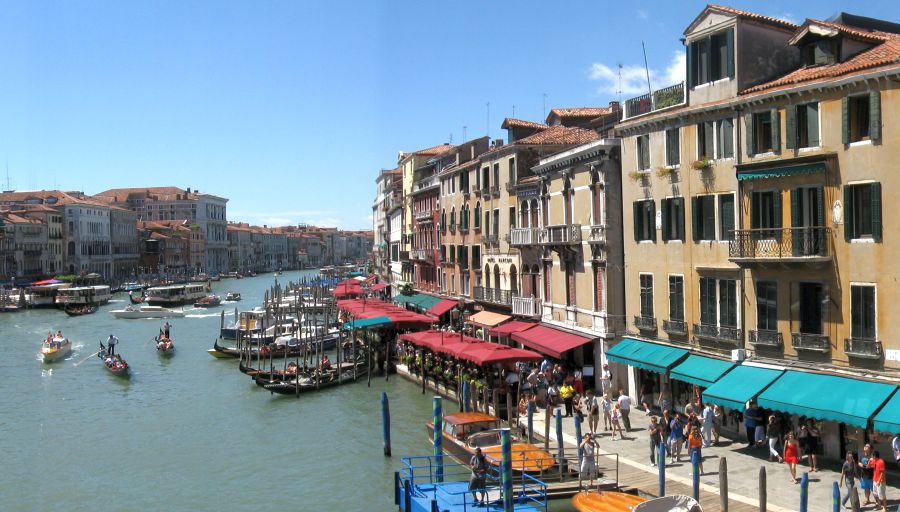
(645, 369)
(574, 351)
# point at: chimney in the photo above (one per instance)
(614, 106)
(496, 143)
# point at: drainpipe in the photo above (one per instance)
(739, 218)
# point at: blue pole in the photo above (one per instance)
(695, 467)
(661, 464)
(465, 397)
(804, 492)
(438, 430)
(559, 438)
(386, 423)
(506, 480)
(835, 497)
(530, 421)
(578, 438)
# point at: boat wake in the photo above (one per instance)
(208, 315)
(47, 373)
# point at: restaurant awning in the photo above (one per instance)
(442, 307)
(487, 318)
(366, 323)
(489, 353)
(700, 370)
(643, 354)
(378, 287)
(740, 385)
(826, 397)
(510, 327)
(888, 419)
(550, 341)
(420, 300)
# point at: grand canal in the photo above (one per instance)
(190, 432)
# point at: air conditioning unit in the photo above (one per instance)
(738, 355)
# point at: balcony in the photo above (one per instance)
(495, 191)
(493, 295)
(645, 323)
(423, 216)
(562, 234)
(511, 187)
(598, 234)
(477, 192)
(657, 100)
(486, 192)
(523, 236)
(764, 338)
(866, 348)
(419, 254)
(786, 245)
(490, 240)
(676, 327)
(731, 335)
(811, 342)
(526, 306)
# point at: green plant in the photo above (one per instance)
(637, 176)
(665, 172)
(701, 164)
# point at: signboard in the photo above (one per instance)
(892, 355)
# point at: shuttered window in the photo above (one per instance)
(861, 117)
(646, 281)
(725, 138)
(676, 298)
(673, 154)
(644, 213)
(726, 217)
(706, 140)
(643, 151)
(728, 303)
(711, 58)
(767, 305)
(672, 218)
(862, 312)
(707, 301)
(862, 211)
(703, 217)
(802, 126)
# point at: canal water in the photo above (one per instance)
(190, 432)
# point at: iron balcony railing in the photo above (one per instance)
(560, 234)
(486, 192)
(420, 216)
(490, 239)
(657, 100)
(718, 333)
(811, 342)
(645, 323)
(493, 295)
(868, 348)
(812, 243)
(523, 236)
(765, 338)
(418, 254)
(526, 306)
(678, 327)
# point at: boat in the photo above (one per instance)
(80, 295)
(135, 299)
(147, 311)
(114, 364)
(247, 322)
(85, 309)
(216, 278)
(605, 501)
(210, 301)
(172, 295)
(673, 503)
(312, 381)
(132, 287)
(233, 296)
(9, 308)
(465, 431)
(55, 349)
(165, 346)
(266, 351)
(44, 295)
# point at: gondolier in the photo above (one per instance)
(166, 328)
(111, 344)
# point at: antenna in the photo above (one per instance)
(7, 175)
(514, 111)
(647, 69)
(464, 132)
(619, 89)
(451, 139)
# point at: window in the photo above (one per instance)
(728, 303)
(821, 52)
(811, 305)
(676, 298)
(452, 254)
(711, 58)
(443, 253)
(672, 218)
(644, 220)
(862, 311)
(512, 217)
(718, 309)
(862, 211)
(705, 140)
(861, 117)
(464, 182)
(767, 305)
(715, 139)
(453, 218)
(763, 132)
(476, 256)
(496, 226)
(478, 215)
(803, 126)
(765, 213)
(707, 301)
(643, 151)
(703, 210)
(726, 217)
(725, 138)
(646, 281)
(673, 156)
(512, 170)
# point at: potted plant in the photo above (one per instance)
(665, 172)
(637, 176)
(702, 164)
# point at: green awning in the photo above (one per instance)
(888, 420)
(421, 301)
(643, 354)
(778, 172)
(700, 370)
(366, 323)
(826, 397)
(740, 385)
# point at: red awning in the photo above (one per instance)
(488, 353)
(511, 327)
(550, 341)
(371, 308)
(379, 286)
(442, 307)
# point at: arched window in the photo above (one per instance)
(443, 220)
(487, 275)
(596, 200)
(513, 280)
(567, 201)
(478, 215)
(497, 276)
(534, 211)
(453, 218)
(523, 215)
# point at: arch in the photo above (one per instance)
(487, 275)
(497, 275)
(513, 280)
(534, 211)
(478, 215)
(523, 214)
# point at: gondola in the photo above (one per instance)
(318, 380)
(264, 352)
(115, 365)
(86, 309)
(135, 299)
(210, 301)
(165, 346)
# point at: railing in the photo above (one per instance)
(678, 327)
(477, 192)
(526, 306)
(598, 234)
(431, 181)
(493, 295)
(868, 348)
(645, 323)
(811, 342)
(490, 239)
(418, 254)
(486, 192)
(495, 190)
(511, 187)
(719, 333)
(561, 234)
(423, 216)
(657, 100)
(765, 338)
(523, 236)
(780, 244)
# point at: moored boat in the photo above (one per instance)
(274, 350)
(147, 312)
(81, 295)
(85, 309)
(314, 380)
(210, 301)
(175, 294)
(114, 364)
(135, 299)
(55, 349)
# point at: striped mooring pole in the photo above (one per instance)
(506, 480)
(438, 429)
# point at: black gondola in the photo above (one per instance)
(87, 309)
(318, 380)
(115, 365)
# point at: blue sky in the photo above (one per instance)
(289, 109)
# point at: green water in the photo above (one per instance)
(190, 432)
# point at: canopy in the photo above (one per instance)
(419, 300)
(366, 323)
(740, 385)
(442, 307)
(371, 308)
(643, 354)
(488, 353)
(510, 327)
(550, 341)
(379, 286)
(700, 370)
(888, 420)
(826, 397)
(487, 318)
(779, 172)
(469, 349)
(46, 282)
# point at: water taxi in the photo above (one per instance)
(210, 301)
(233, 296)
(147, 312)
(81, 295)
(44, 295)
(175, 294)
(55, 349)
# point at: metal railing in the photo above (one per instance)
(765, 338)
(490, 239)
(526, 306)
(493, 295)
(868, 348)
(657, 100)
(419, 254)
(560, 234)
(811, 342)
(719, 333)
(486, 191)
(423, 215)
(784, 243)
(523, 236)
(645, 323)
(675, 327)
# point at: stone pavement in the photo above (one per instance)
(743, 470)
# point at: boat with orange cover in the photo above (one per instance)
(465, 431)
(605, 501)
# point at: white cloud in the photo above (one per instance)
(642, 14)
(634, 77)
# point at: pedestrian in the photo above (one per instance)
(605, 377)
(879, 480)
(751, 417)
(512, 382)
(566, 392)
(866, 473)
(718, 415)
(588, 459)
(478, 464)
(664, 426)
(578, 407)
(616, 424)
(111, 344)
(695, 442)
(655, 433)
(676, 438)
(624, 409)
(606, 406)
(665, 400)
(553, 394)
(592, 409)
(849, 473)
(545, 365)
(773, 434)
(707, 425)
(812, 444)
(792, 454)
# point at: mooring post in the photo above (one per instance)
(386, 423)
(695, 475)
(762, 489)
(496, 400)
(804, 492)
(661, 465)
(506, 469)
(509, 408)
(560, 447)
(438, 430)
(835, 497)
(465, 396)
(578, 438)
(723, 484)
(530, 422)
(547, 428)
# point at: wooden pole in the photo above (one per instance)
(723, 484)
(762, 489)
(661, 465)
(369, 362)
(386, 424)
(509, 409)
(547, 428)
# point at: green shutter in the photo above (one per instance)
(709, 217)
(795, 207)
(666, 211)
(790, 129)
(691, 64)
(777, 205)
(695, 218)
(679, 217)
(848, 213)
(875, 115)
(820, 211)
(751, 136)
(812, 124)
(651, 214)
(876, 211)
(636, 218)
(729, 48)
(727, 221)
(845, 120)
(775, 117)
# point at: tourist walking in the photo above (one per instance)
(879, 480)
(592, 409)
(791, 454)
(707, 425)
(664, 422)
(606, 406)
(655, 432)
(718, 416)
(849, 472)
(616, 422)
(751, 417)
(566, 392)
(605, 377)
(812, 444)
(478, 464)
(773, 435)
(625, 408)
(866, 473)
(676, 437)
(695, 442)
(588, 459)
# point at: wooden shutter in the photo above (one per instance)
(790, 128)
(849, 221)
(695, 218)
(777, 204)
(812, 124)
(775, 117)
(709, 217)
(820, 212)
(795, 207)
(727, 212)
(679, 217)
(875, 115)
(876, 211)
(651, 218)
(729, 48)
(666, 206)
(637, 214)
(751, 135)
(691, 64)
(845, 120)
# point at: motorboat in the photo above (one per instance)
(233, 296)
(55, 349)
(175, 294)
(147, 311)
(210, 301)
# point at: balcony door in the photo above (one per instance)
(808, 220)
(765, 214)
(811, 297)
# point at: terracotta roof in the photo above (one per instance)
(587, 112)
(873, 36)
(559, 135)
(529, 179)
(511, 122)
(62, 198)
(434, 150)
(141, 190)
(749, 15)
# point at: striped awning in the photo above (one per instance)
(779, 172)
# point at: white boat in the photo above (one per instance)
(147, 311)
(56, 349)
(45, 294)
(175, 294)
(81, 295)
